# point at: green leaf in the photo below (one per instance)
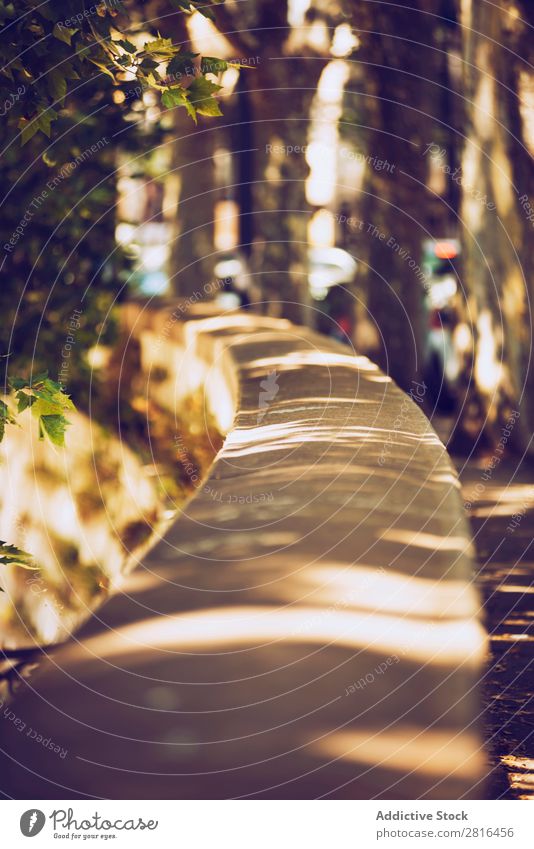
(51, 386)
(201, 93)
(56, 84)
(182, 63)
(160, 46)
(44, 407)
(54, 427)
(178, 97)
(45, 119)
(148, 64)
(5, 418)
(29, 128)
(202, 87)
(10, 555)
(191, 111)
(69, 72)
(24, 401)
(24, 383)
(127, 45)
(103, 68)
(212, 65)
(48, 404)
(173, 97)
(63, 33)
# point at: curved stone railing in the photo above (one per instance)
(308, 625)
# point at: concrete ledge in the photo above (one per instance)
(306, 628)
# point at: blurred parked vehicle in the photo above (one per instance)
(331, 273)
(336, 313)
(441, 361)
(329, 267)
(236, 287)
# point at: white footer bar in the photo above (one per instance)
(269, 824)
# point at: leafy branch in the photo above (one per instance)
(48, 403)
(10, 555)
(48, 47)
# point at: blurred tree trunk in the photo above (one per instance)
(192, 236)
(242, 147)
(282, 96)
(403, 103)
(497, 235)
(281, 85)
(192, 245)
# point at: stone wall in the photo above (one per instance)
(307, 627)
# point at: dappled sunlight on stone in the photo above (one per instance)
(386, 591)
(444, 643)
(379, 378)
(276, 437)
(420, 539)
(403, 749)
(312, 357)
